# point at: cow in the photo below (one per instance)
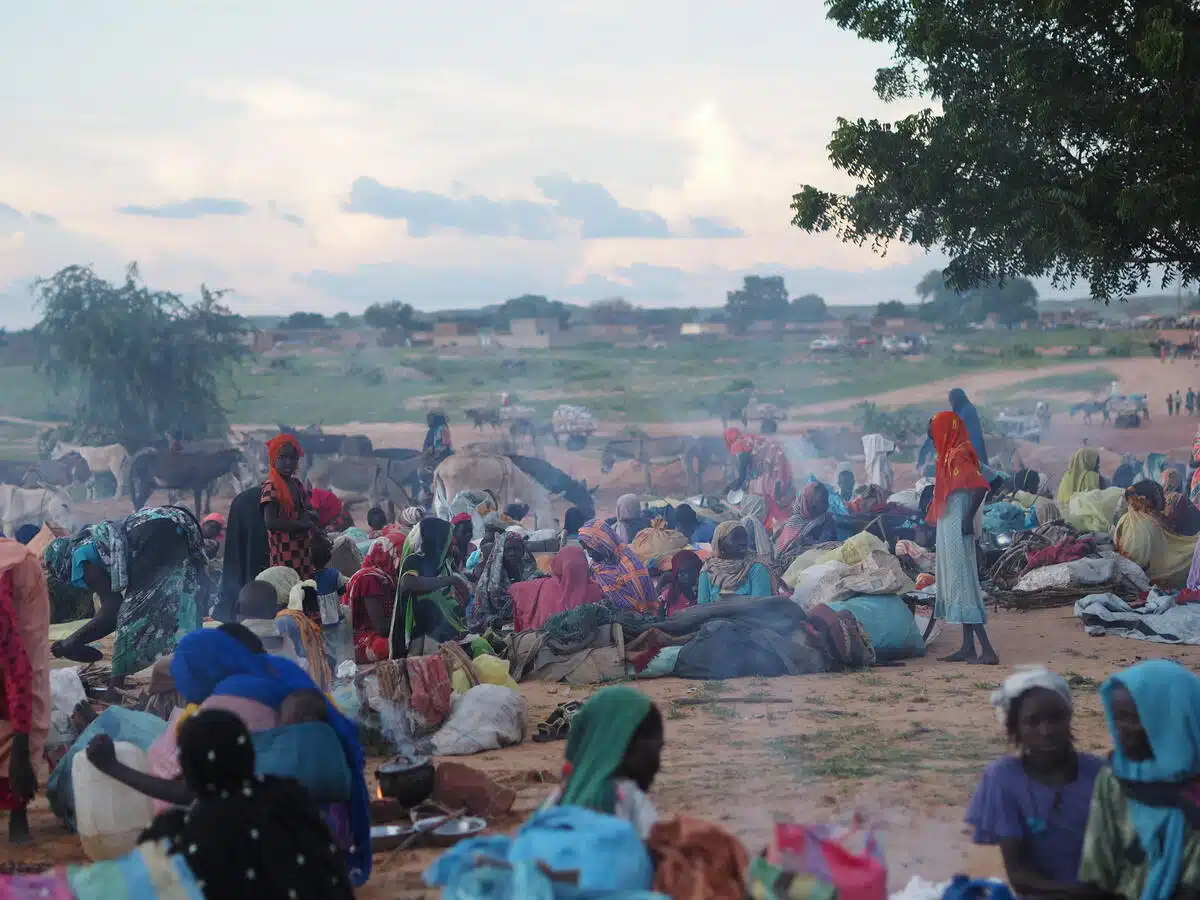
(113, 458)
(184, 470)
(34, 506)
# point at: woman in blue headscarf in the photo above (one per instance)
(966, 411)
(1142, 839)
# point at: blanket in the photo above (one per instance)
(1161, 620)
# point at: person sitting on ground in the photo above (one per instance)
(1142, 536)
(462, 530)
(679, 586)
(330, 582)
(377, 521)
(629, 519)
(1179, 515)
(569, 586)
(284, 501)
(212, 528)
(846, 481)
(1142, 838)
(507, 562)
(811, 523)
(371, 596)
(241, 835)
(733, 570)
(516, 512)
(432, 595)
(331, 514)
(621, 575)
(688, 523)
(1035, 805)
(573, 520)
(614, 752)
(1083, 474)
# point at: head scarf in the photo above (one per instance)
(811, 521)
(970, 418)
(214, 517)
(1167, 696)
(492, 606)
(673, 598)
(957, 464)
(283, 579)
(411, 515)
(763, 549)
(326, 505)
(725, 573)
(1146, 497)
(1083, 474)
(247, 836)
(426, 556)
(754, 506)
(459, 519)
(283, 491)
(597, 744)
(622, 576)
(210, 662)
(57, 558)
(1153, 468)
(1025, 679)
(629, 510)
(733, 438)
(568, 586)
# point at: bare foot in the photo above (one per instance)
(18, 828)
(960, 656)
(986, 659)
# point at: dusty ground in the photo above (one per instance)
(905, 745)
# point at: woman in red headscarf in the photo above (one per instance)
(284, 501)
(371, 594)
(958, 492)
(763, 469)
(331, 513)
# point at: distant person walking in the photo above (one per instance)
(1170, 404)
(1191, 402)
(1178, 403)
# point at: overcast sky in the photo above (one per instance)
(325, 156)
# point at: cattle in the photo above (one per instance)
(113, 458)
(185, 470)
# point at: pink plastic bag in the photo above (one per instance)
(822, 855)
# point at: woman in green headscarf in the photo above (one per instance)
(614, 751)
(432, 597)
(1083, 474)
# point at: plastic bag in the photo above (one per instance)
(809, 582)
(888, 623)
(855, 550)
(657, 541)
(487, 717)
(813, 862)
(66, 693)
(491, 669)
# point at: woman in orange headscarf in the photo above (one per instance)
(286, 510)
(958, 492)
(763, 469)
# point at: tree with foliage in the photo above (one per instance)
(304, 321)
(891, 309)
(390, 316)
(611, 311)
(343, 320)
(809, 308)
(761, 299)
(1011, 302)
(530, 306)
(1065, 145)
(143, 363)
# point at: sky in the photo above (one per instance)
(319, 156)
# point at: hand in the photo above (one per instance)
(21, 779)
(102, 752)
(56, 649)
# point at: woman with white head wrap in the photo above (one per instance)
(1035, 805)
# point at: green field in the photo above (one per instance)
(674, 383)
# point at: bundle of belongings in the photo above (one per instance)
(1055, 565)
(733, 638)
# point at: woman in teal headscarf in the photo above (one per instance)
(1142, 839)
(614, 751)
(432, 596)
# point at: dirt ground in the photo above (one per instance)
(904, 745)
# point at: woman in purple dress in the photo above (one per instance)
(1035, 805)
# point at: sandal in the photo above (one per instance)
(558, 724)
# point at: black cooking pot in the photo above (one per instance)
(408, 781)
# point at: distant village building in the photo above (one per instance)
(703, 329)
(455, 334)
(536, 334)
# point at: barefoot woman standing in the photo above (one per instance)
(959, 489)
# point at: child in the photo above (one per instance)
(300, 707)
(614, 752)
(331, 583)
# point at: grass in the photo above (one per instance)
(678, 383)
(861, 751)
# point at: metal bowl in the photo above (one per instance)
(389, 837)
(449, 833)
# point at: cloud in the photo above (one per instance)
(43, 218)
(425, 212)
(195, 208)
(714, 227)
(12, 218)
(598, 212)
(292, 219)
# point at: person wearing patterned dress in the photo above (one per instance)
(286, 508)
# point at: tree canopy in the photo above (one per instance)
(1065, 146)
(530, 306)
(390, 316)
(143, 363)
(892, 309)
(1010, 303)
(809, 308)
(305, 321)
(760, 299)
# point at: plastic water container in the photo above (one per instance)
(108, 815)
